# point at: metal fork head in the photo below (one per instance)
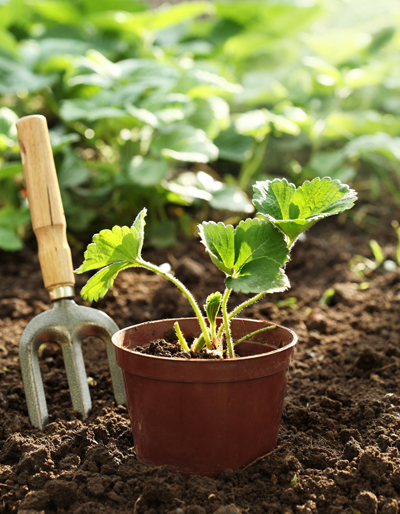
(66, 324)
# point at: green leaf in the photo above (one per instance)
(336, 45)
(254, 123)
(90, 109)
(113, 5)
(152, 19)
(57, 54)
(147, 73)
(203, 186)
(219, 240)
(381, 38)
(139, 225)
(185, 143)
(346, 125)
(261, 87)
(147, 172)
(255, 239)
(116, 245)
(10, 170)
(276, 18)
(380, 143)
(98, 285)
(212, 306)
(73, 172)
(8, 42)
(143, 115)
(330, 163)
(259, 276)
(116, 249)
(59, 139)
(12, 218)
(327, 162)
(260, 252)
(58, 11)
(283, 124)
(210, 115)
(231, 198)
(251, 255)
(9, 240)
(295, 210)
(15, 77)
(233, 146)
(163, 235)
(8, 119)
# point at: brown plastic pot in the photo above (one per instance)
(204, 416)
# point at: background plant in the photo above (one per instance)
(182, 108)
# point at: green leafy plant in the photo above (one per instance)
(252, 255)
(142, 100)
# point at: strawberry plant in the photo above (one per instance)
(252, 255)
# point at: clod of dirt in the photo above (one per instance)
(308, 508)
(317, 321)
(189, 271)
(162, 348)
(156, 492)
(14, 307)
(12, 449)
(367, 503)
(228, 509)
(35, 501)
(373, 465)
(369, 359)
(35, 461)
(352, 449)
(390, 507)
(349, 433)
(348, 294)
(61, 492)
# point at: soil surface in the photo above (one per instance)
(171, 349)
(338, 449)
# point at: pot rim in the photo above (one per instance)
(246, 358)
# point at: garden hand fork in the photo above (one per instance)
(66, 323)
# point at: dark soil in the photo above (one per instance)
(172, 349)
(338, 450)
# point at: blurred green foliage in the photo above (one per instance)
(181, 108)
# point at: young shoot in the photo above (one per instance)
(252, 255)
(212, 307)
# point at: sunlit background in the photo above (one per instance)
(182, 107)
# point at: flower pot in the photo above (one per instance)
(203, 416)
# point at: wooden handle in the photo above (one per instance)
(48, 220)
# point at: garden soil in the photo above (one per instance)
(339, 442)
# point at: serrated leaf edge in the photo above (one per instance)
(315, 217)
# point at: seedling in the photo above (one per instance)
(364, 267)
(252, 255)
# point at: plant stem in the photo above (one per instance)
(229, 344)
(247, 336)
(182, 340)
(186, 292)
(239, 308)
(213, 332)
(245, 304)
